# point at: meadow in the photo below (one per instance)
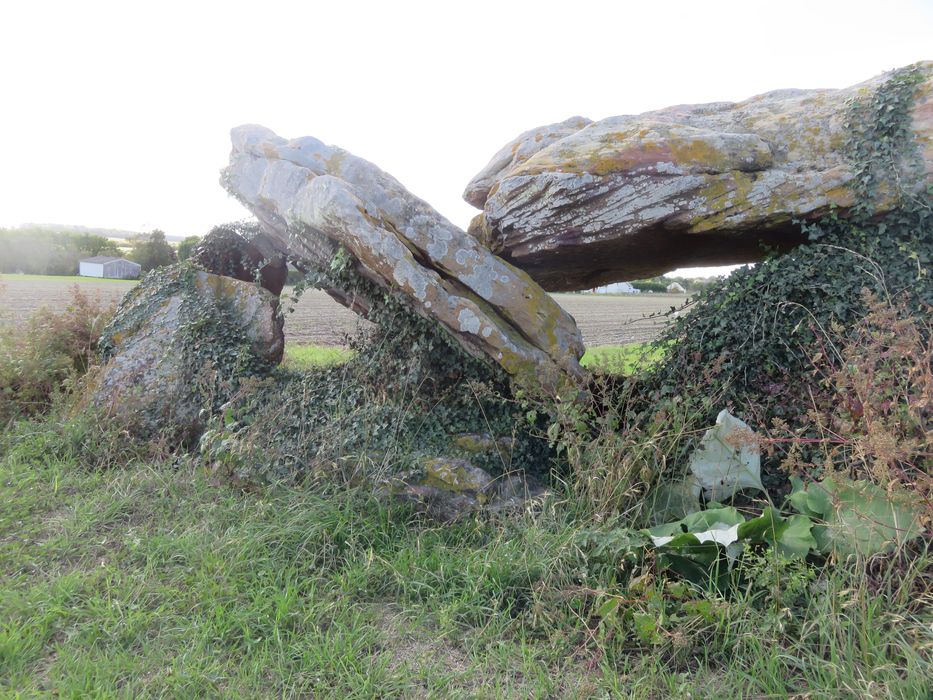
(134, 569)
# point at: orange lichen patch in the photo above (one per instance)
(334, 164)
(659, 148)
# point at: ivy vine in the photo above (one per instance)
(751, 338)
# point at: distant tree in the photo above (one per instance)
(42, 251)
(655, 284)
(90, 245)
(187, 246)
(151, 250)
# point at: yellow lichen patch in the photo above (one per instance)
(334, 164)
(475, 443)
(644, 149)
(453, 475)
(693, 152)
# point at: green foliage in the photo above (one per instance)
(753, 338)
(405, 393)
(656, 284)
(659, 284)
(39, 251)
(298, 592)
(858, 517)
(43, 357)
(152, 250)
(186, 247)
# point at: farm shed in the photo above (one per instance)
(616, 288)
(113, 268)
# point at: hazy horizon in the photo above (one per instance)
(118, 116)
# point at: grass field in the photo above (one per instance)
(614, 359)
(319, 320)
(149, 579)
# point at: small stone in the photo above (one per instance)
(456, 475)
(515, 488)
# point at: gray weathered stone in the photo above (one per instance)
(635, 196)
(157, 370)
(452, 489)
(315, 197)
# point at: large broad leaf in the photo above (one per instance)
(814, 502)
(720, 533)
(796, 537)
(859, 517)
(708, 518)
(672, 501)
(696, 561)
(791, 536)
(717, 526)
(695, 523)
(727, 460)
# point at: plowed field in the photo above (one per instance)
(603, 320)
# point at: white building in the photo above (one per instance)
(112, 268)
(616, 288)
(676, 288)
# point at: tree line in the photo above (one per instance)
(42, 251)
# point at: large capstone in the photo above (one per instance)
(581, 204)
(182, 341)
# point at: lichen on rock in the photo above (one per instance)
(635, 196)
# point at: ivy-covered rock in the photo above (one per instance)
(580, 204)
(240, 250)
(181, 341)
(767, 340)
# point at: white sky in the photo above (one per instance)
(116, 114)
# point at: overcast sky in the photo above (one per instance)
(118, 114)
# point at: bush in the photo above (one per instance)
(41, 359)
(152, 250)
